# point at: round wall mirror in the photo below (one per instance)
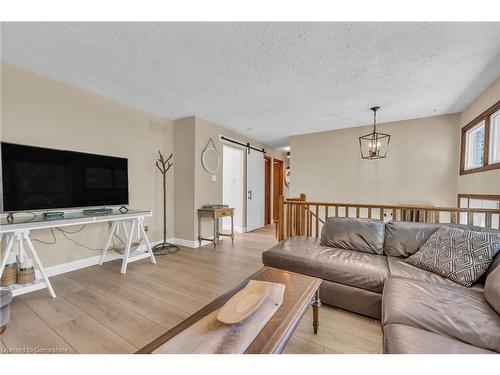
(287, 176)
(210, 158)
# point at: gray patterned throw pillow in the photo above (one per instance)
(457, 254)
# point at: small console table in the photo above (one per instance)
(215, 214)
(19, 231)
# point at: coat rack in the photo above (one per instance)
(164, 248)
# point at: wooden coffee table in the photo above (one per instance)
(300, 293)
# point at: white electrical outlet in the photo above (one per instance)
(214, 178)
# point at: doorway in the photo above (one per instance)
(233, 186)
(267, 190)
(278, 180)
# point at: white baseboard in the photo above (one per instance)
(59, 269)
(188, 243)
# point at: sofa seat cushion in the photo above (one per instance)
(399, 268)
(350, 298)
(492, 289)
(305, 255)
(459, 313)
(402, 339)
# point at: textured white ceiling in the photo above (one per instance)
(268, 80)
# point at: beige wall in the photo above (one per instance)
(39, 111)
(487, 182)
(184, 181)
(206, 191)
(421, 166)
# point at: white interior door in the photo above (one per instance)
(233, 188)
(255, 190)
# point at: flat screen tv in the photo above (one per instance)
(35, 178)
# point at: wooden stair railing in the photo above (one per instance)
(299, 217)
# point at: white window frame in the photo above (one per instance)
(491, 155)
(494, 146)
(468, 136)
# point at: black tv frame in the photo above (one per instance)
(69, 156)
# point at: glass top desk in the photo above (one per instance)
(18, 230)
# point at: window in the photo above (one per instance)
(474, 147)
(495, 138)
(480, 149)
(491, 202)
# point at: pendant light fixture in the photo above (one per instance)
(374, 145)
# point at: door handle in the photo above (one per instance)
(249, 195)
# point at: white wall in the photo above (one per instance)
(233, 185)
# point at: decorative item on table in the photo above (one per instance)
(214, 206)
(9, 275)
(26, 274)
(233, 327)
(248, 300)
(164, 247)
(53, 215)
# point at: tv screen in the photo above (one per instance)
(35, 178)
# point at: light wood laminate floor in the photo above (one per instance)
(99, 310)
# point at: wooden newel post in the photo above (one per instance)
(281, 218)
(303, 216)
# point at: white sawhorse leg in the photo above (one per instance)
(148, 245)
(129, 234)
(135, 225)
(107, 242)
(39, 264)
(21, 237)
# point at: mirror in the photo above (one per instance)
(287, 176)
(210, 158)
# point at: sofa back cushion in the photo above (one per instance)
(365, 235)
(492, 289)
(404, 238)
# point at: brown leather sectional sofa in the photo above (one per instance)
(361, 262)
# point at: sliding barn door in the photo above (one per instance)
(255, 190)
